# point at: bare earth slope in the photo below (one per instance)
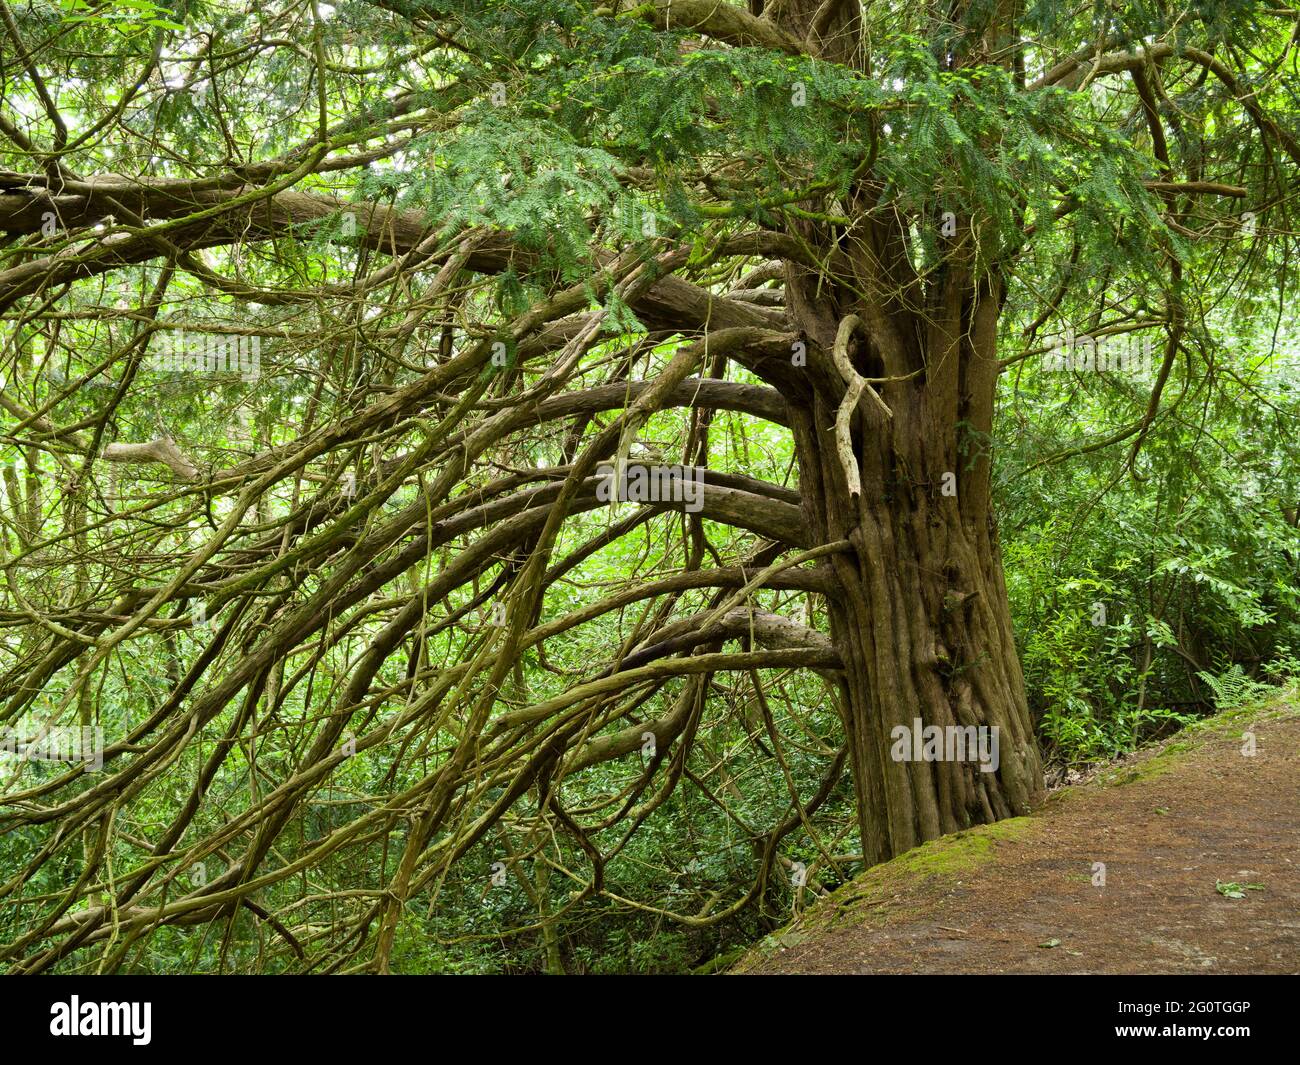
(1019, 897)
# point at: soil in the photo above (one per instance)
(1019, 897)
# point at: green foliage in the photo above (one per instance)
(1232, 689)
(1195, 562)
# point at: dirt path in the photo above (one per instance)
(1167, 825)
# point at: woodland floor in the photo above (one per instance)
(1018, 897)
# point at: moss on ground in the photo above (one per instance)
(1164, 758)
(960, 852)
(873, 896)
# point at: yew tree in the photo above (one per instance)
(475, 254)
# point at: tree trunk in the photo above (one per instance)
(921, 618)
